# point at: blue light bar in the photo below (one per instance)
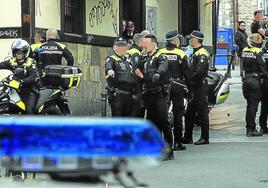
(79, 137)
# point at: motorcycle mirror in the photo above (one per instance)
(19, 73)
(213, 69)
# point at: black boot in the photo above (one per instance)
(169, 156)
(201, 141)
(187, 140)
(264, 130)
(179, 147)
(252, 133)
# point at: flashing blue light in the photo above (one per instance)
(79, 137)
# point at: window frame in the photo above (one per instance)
(84, 38)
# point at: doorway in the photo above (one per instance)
(188, 16)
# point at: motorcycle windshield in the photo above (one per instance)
(5, 73)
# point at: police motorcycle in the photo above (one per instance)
(218, 90)
(51, 100)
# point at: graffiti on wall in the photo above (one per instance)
(103, 10)
(10, 32)
(151, 19)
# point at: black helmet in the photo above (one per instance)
(20, 45)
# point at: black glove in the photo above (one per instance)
(156, 77)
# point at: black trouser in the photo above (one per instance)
(177, 96)
(264, 106)
(121, 104)
(138, 107)
(252, 93)
(30, 99)
(157, 112)
(198, 110)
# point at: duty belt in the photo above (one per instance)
(119, 91)
(177, 81)
(153, 90)
(257, 75)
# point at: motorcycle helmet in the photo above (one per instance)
(20, 45)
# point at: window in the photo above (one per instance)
(134, 10)
(73, 16)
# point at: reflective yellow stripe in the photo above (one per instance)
(202, 51)
(133, 51)
(174, 51)
(71, 81)
(14, 84)
(115, 58)
(78, 81)
(13, 62)
(253, 49)
(55, 92)
(223, 97)
(28, 63)
(35, 46)
(21, 105)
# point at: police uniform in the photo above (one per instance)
(156, 93)
(28, 89)
(134, 56)
(51, 53)
(198, 106)
(178, 71)
(253, 68)
(264, 100)
(121, 86)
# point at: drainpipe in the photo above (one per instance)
(235, 14)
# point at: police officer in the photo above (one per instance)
(254, 68)
(264, 99)
(121, 82)
(27, 83)
(178, 73)
(51, 52)
(198, 106)
(157, 91)
(135, 54)
(39, 38)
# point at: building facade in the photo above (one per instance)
(88, 28)
(232, 11)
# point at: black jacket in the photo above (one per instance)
(177, 62)
(199, 66)
(29, 82)
(155, 63)
(241, 40)
(123, 79)
(253, 61)
(51, 53)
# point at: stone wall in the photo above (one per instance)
(246, 9)
(225, 14)
(85, 100)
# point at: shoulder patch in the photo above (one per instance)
(107, 59)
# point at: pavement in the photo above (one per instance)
(231, 160)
